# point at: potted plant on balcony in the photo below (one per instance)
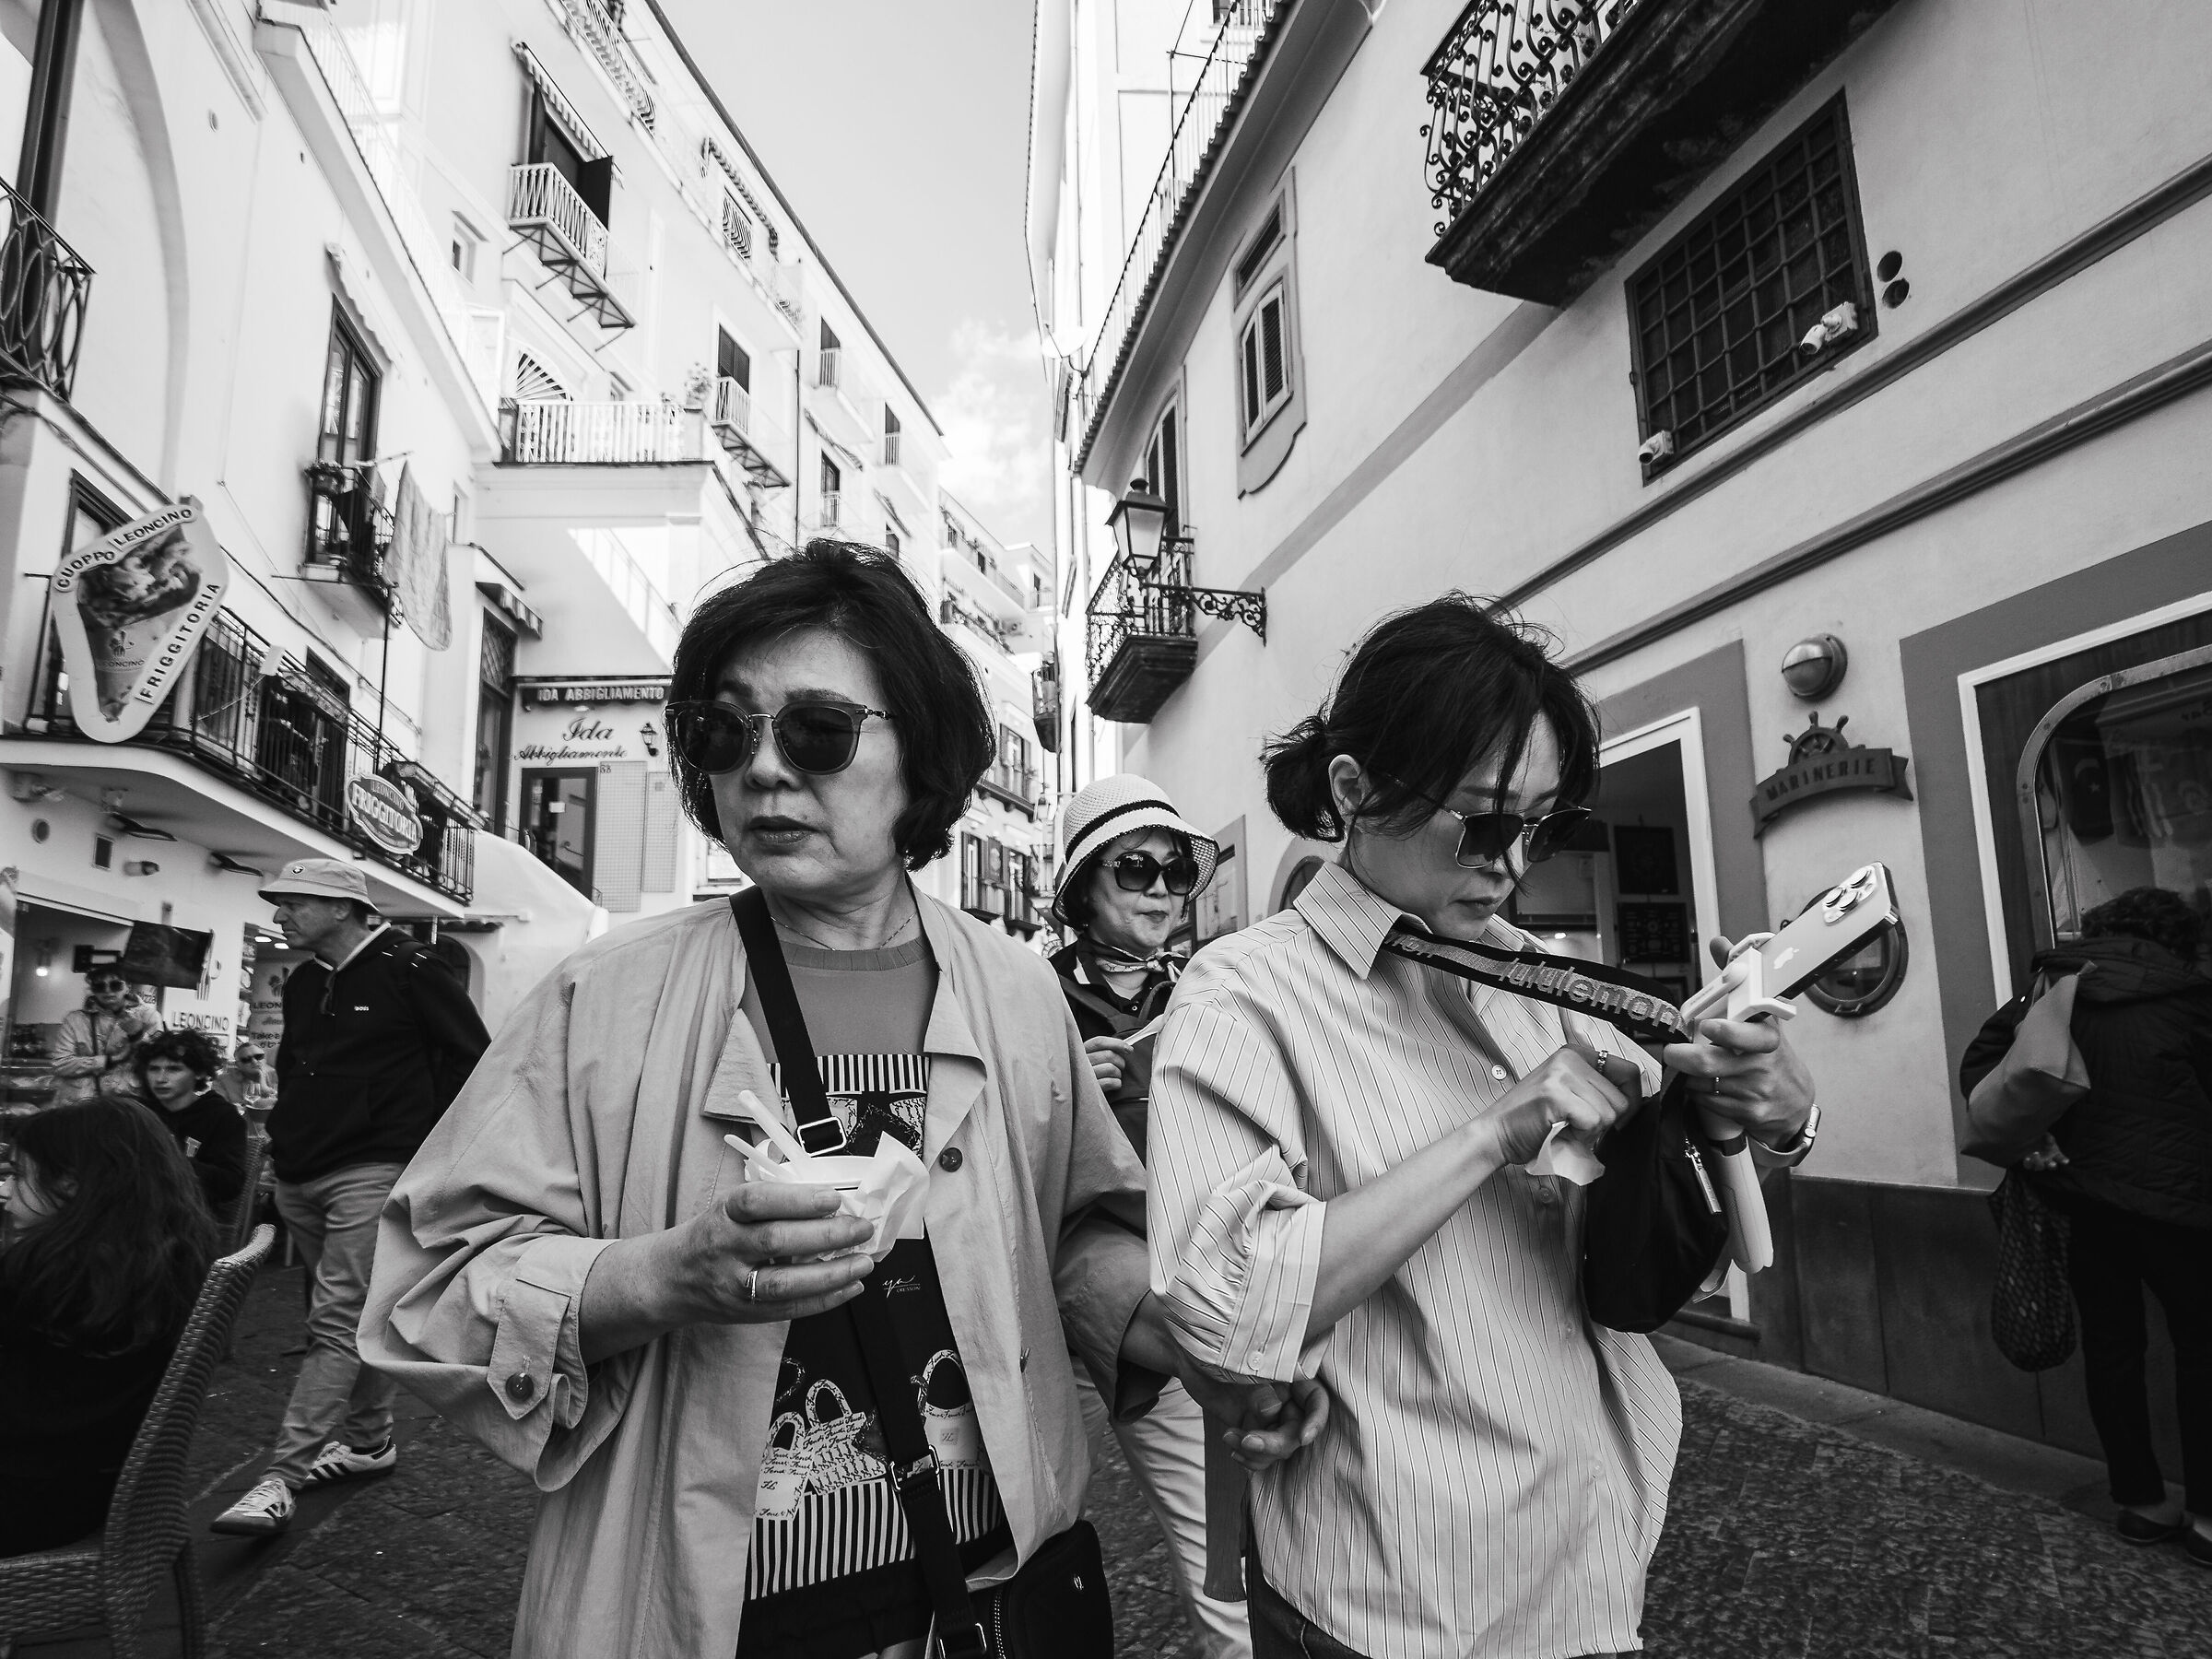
(699, 380)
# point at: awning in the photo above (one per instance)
(559, 106)
(510, 604)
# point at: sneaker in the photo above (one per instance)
(268, 1509)
(2198, 1546)
(339, 1461)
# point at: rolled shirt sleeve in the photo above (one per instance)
(1236, 1243)
(482, 1253)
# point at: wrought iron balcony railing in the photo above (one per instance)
(348, 530)
(256, 717)
(569, 238)
(1498, 73)
(1141, 631)
(829, 512)
(743, 430)
(556, 432)
(43, 288)
(829, 366)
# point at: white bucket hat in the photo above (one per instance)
(1112, 807)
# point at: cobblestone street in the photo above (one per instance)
(1788, 1537)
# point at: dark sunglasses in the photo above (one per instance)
(1484, 838)
(816, 737)
(1136, 872)
(107, 984)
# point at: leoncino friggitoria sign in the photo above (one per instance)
(1822, 764)
(129, 611)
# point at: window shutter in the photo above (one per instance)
(1271, 348)
(532, 384)
(737, 229)
(1251, 373)
(595, 185)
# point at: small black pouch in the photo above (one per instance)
(1652, 1225)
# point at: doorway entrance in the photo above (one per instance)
(558, 809)
(1638, 888)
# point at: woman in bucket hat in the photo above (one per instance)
(1129, 866)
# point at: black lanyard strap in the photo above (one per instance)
(1637, 1006)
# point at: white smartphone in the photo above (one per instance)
(1841, 921)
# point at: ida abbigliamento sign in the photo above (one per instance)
(130, 610)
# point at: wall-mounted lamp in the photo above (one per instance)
(1138, 521)
(652, 739)
(140, 866)
(1815, 665)
(45, 965)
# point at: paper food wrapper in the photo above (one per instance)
(884, 1189)
(1569, 1159)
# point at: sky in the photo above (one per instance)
(899, 132)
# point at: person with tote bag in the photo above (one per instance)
(2104, 1117)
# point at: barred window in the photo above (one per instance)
(1718, 320)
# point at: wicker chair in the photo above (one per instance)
(238, 1224)
(111, 1578)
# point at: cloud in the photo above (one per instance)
(995, 417)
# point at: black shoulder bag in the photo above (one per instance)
(1652, 1224)
(1056, 1606)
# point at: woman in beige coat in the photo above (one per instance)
(575, 1268)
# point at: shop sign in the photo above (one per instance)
(541, 693)
(381, 811)
(129, 609)
(556, 737)
(1821, 763)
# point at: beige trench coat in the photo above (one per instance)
(599, 1113)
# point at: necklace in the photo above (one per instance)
(797, 932)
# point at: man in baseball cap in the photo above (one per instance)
(379, 1036)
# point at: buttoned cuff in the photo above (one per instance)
(536, 1363)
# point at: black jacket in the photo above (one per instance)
(211, 1133)
(2141, 1139)
(372, 1057)
(66, 1424)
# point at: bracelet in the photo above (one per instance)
(1792, 1151)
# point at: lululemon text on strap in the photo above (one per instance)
(1637, 1006)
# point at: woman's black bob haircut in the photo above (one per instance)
(1429, 695)
(947, 741)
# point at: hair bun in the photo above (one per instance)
(1296, 764)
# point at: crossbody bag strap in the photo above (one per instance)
(818, 1130)
(913, 1466)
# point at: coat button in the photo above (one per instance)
(949, 1160)
(518, 1387)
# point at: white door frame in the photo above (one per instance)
(1686, 730)
(1977, 759)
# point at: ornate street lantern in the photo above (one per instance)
(1138, 521)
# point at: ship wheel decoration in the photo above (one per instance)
(1818, 739)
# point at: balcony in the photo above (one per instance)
(954, 611)
(348, 536)
(250, 715)
(556, 432)
(43, 290)
(1561, 131)
(829, 368)
(1143, 636)
(829, 510)
(544, 209)
(1044, 704)
(1015, 786)
(750, 439)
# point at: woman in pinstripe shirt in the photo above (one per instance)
(1337, 1190)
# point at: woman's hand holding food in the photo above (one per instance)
(770, 1252)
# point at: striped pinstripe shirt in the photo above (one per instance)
(1493, 1478)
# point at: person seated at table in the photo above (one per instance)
(104, 1243)
(89, 1050)
(177, 1074)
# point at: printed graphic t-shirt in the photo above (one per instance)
(831, 1572)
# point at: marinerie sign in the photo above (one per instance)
(1822, 764)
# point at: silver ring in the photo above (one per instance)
(752, 1287)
